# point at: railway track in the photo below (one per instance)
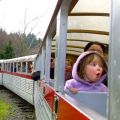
(20, 109)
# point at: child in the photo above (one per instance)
(88, 73)
(99, 47)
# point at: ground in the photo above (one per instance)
(19, 108)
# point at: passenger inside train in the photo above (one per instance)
(95, 46)
(30, 67)
(88, 73)
(99, 47)
(68, 69)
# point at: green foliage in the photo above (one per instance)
(16, 44)
(8, 51)
(4, 110)
(1, 55)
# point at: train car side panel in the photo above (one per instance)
(43, 101)
(67, 112)
(19, 85)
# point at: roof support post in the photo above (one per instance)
(61, 41)
(47, 58)
(43, 61)
(114, 62)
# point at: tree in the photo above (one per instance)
(8, 51)
(3, 37)
(18, 43)
(1, 55)
(31, 40)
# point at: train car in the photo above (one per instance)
(16, 76)
(74, 23)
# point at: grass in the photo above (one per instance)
(4, 110)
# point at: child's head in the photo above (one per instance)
(92, 67)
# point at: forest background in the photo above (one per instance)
(17, 44)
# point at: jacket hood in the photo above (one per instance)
(74, 70)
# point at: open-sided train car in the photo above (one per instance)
(74, 23)
(15, 75)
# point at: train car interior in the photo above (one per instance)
(73, 25)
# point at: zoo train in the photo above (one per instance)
(73, 24)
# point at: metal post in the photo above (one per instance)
(61, 42)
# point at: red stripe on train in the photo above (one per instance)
(18, 74)
(48, 93)
(65, 110)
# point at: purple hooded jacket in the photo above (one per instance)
(83, 85)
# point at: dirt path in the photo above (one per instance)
(20, 110)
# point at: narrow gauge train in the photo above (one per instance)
(73, 24)
(15, 74)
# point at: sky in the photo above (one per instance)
(38, 14)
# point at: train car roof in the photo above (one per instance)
(21, 59)
(86, 22)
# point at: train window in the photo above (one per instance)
(4, 66)
(23, 67)
(11, 67)
(30, 67)
(15, 67)
(18, 67)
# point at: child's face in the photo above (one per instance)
(93, 70)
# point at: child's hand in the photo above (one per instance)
(74, 90)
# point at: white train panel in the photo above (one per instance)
(43, 111)
(21, 86)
